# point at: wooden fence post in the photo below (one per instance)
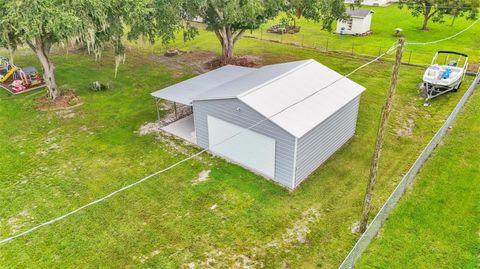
(387, 108)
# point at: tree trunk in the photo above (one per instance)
(425, 23)
(228, 38)
(227, 49)
(11, 51)
(49, 77)
(367, 203)
(42, 50)
(426, 17)
(453, 20)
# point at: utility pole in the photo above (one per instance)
(387, 108)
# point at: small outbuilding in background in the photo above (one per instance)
(358, 24)
(281, 121)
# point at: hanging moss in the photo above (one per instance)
(120, 58)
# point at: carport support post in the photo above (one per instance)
(175, 109)
(387, 108)
(157, 100)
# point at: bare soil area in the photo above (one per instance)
(67, 99)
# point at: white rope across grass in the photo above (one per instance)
(99, 200)
(8, 239)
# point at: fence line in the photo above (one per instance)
(408, 53)
(377, 223)
(349, 49)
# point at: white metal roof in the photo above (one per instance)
(249, 81)
(185, 91)
(273, 89)
(358, 12)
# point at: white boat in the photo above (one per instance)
(442, 78)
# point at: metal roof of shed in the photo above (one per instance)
(275, 90)
(185, 91)
(358, 12)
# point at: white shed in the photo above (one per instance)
(278, 121)
(358, 23)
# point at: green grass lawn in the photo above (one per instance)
(384, 21)
(436, 225)
(53, 162)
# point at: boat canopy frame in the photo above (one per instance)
(431, 90)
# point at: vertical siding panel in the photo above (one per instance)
(315, 147)
(238, 113)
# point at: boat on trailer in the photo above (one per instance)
(446, 77)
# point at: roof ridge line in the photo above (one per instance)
(245, 93)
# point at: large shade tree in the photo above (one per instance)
(229, 19)
(435, 10)
(43, 24)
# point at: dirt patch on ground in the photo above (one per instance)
(51, 143)
(65, 114)
(292, 237)
(297, 234)
(405, 120)
(67, 99)
(144, 258)
(407, 128)
(194, 60)
(202, 61)
(473, 67)
(150, 128)
(202, 177)
(17, 223)
(246, 61)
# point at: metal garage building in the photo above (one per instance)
(270, 120)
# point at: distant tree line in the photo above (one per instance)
(42, 24)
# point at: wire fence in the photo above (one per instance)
(377, 223)
(343, 44)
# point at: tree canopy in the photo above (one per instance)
(324, 11)
(41, 24)
(230, 19)
(435, 10)
(463, 8)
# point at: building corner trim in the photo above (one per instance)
(294, 181)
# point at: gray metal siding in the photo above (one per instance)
(320, 143)
(226, 109)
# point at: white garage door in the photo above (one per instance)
(248, 148)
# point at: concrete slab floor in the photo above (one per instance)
(183, 128)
